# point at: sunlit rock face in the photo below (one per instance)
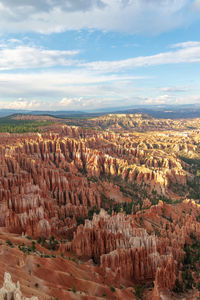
(118, 245)
(50, 183)
(126, 245)
(10, 290)
(45, 179)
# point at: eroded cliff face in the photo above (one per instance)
(120, 246)
(52, 182)
(41, 190)
(45, 179)
(50, 275)
(141, 247)
(142, 122)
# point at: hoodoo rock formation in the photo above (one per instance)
(97, 193)
(43, 182)
(118, 244)
(126, 245)
(11, 290)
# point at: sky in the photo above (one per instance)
(93, 54)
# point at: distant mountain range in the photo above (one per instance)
(157, 111)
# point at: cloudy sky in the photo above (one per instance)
(90, 54)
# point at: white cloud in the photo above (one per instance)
(85, 85)
(186, 44)
(174, 89)
(163, 99)
(196, 5)
(28, 57)
(70, 101)
(21, 103)
(132, 16)
(189, 53)
(70, 89)
(24, 57)
(97, 97)
(33, 6)
(57, 81)
(171, 99)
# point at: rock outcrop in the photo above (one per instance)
(54, 181)
(117, 244)
(12, 291)
(48, 178)
(141, 247)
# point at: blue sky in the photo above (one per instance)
(91, 54)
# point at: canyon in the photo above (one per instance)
(109, 210)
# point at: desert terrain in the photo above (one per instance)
(101, 208)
